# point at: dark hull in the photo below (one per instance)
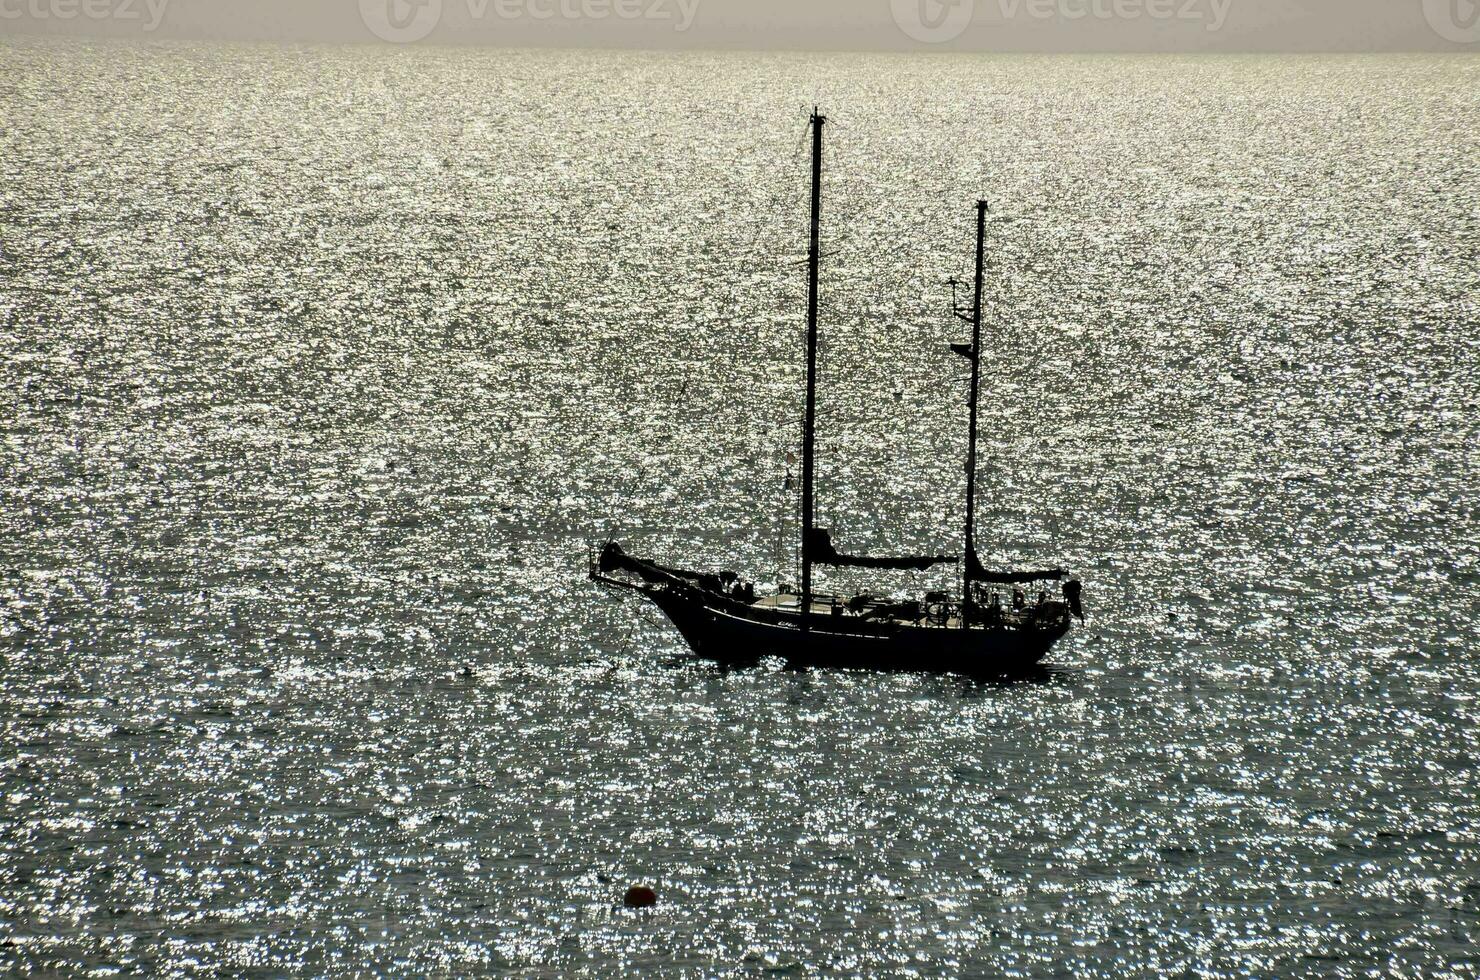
(733, 636)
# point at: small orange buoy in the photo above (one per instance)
(640, 897)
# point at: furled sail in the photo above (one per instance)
(614, 559)
(965, 350)
(823, 553)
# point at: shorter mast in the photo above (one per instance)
(970, 563)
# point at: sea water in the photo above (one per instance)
(324, 368)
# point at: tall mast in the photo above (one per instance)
(969, 561)
(809, 423)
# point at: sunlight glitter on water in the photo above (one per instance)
(325, 367)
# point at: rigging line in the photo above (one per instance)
(801, 141)
(770, 430)
(1031, 365)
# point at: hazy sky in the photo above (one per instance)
(923, 25)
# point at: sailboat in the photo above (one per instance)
(978, 633)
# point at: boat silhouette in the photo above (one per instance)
(722, 618)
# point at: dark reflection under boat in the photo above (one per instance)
(960, 683)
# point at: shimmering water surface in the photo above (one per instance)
(321, 368)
